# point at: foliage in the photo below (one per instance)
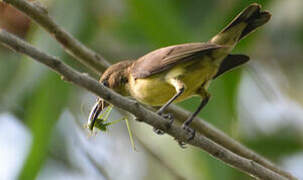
(126, 30)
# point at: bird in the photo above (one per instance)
(175, 73)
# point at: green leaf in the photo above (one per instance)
(44, 109)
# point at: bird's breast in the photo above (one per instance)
(156, 91)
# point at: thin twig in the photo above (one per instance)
(100, 169)
(71, 45)
(161, 161)
(83, 80)
(89, 58)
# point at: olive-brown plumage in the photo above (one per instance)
(174, 73)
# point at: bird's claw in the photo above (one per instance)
(158, 131)
(168, 116)
(191, 135)
(137, 119)
(182, 144)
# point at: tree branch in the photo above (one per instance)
(224, 140)
(247, 166)
(71, 45)
(97, 63)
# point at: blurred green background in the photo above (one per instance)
(42, 117)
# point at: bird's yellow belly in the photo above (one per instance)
(153, 91)
(156, 91)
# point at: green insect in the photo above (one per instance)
(102, 124)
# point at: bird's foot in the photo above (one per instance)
(137, 119)
(168, 116)
(158, 131)
(190, 133)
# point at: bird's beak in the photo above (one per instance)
(94, 113)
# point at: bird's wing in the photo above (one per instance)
(165, 58)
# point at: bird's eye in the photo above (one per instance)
(124, 80)
(105, 83)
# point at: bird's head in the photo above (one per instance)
(116, 77)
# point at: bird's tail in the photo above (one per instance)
(247, 21)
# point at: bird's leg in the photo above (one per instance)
(180, 87)
(205, 98)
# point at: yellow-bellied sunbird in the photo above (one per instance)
(175, 73)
